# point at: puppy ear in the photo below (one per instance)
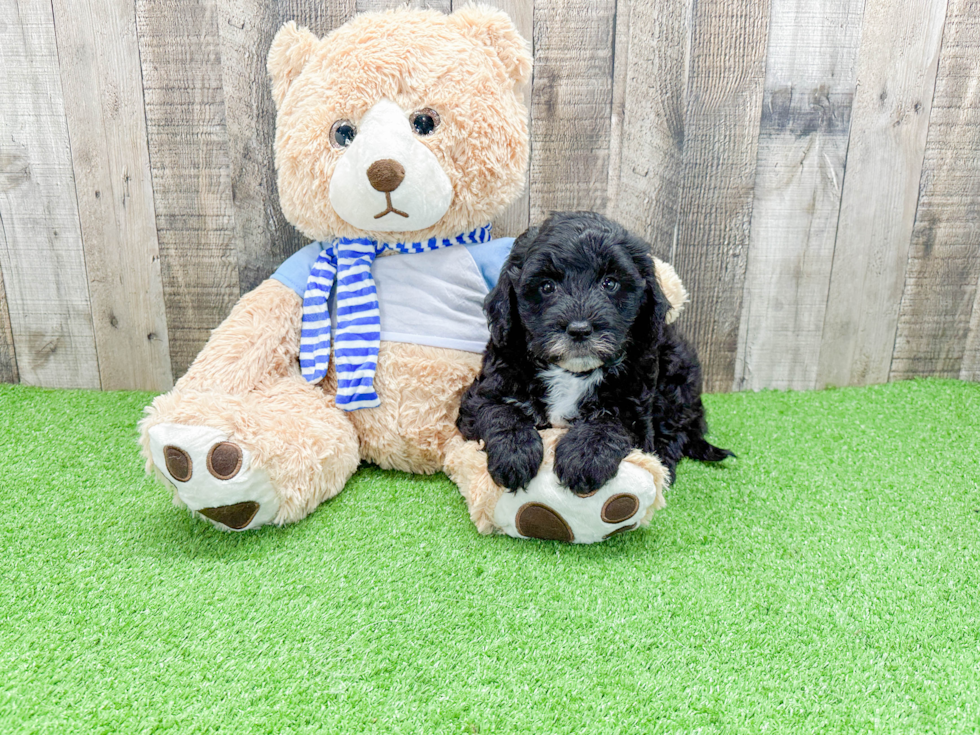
(653, 315)
(501, 307)
(501, 303)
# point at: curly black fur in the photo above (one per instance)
(580, 294)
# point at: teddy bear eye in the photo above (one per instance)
(424, 121)
(342, 133)
(547, 286)
(610, 284)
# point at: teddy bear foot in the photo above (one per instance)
(213, 476)
(548, 510)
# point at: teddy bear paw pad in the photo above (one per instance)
(548, 510)
(213, 476)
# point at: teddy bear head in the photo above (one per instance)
(402, 125)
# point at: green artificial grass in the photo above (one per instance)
(826, 581)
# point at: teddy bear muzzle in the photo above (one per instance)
(387, 180)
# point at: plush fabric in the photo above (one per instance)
(399, 126)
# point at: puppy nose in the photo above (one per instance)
(579, 329)
(386, 174)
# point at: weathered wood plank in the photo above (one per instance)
(970, 367)
(647, 128)
(263, 237)
(100, 74)
(896, 79)
(516, 218)
(944, 259)
(723, 105)
(8, 356)
(41, 248)
(364, 6)
(811, 73)
(180, 51)
(571, 97)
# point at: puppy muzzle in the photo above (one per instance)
(579, 354)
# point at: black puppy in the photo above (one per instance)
(578, 338)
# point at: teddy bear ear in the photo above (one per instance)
(291, 49)
(494, 29)
(670, 284)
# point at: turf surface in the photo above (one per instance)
(826, 581)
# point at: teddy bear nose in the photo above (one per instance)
(385, 175)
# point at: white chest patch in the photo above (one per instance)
(565, 392)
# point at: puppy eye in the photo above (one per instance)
(610, 284)
(342, 133)
(424, 121)
(547, 287)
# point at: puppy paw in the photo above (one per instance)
(546, 510)
(584, 463)
(513, 459)
(584, 473)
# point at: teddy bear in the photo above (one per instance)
(399, 137)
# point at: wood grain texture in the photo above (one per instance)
(40, 240)
(365, 6)
(516, 218)
(647, 129)
(180, 51)
(896, 79)
(723, 104)
(263, 237)
(101, 77)
(811, 74)
(944, 258)
(8, 355)
(571, 97)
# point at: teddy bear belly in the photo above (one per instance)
(419, 387)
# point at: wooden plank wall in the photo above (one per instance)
(810, 167)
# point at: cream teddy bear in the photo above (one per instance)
(399, 137)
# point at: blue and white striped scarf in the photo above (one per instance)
(347, 262)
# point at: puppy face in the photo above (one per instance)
(576, 292)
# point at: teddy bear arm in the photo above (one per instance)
(258, 342)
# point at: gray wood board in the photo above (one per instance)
(101, 78)
(41, 252)
(889, 122)
(811, 74)
(647, 129)
(263, 237)
(571, 97)
(180, 51)
(515, 219)
(364, 6)
(8, 356)
(944, 259)
(721, 131)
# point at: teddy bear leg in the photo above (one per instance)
(242, 461)
(546, 509)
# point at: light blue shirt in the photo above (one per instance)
(433, 298)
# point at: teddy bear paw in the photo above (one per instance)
(213, 476)
(548, 510)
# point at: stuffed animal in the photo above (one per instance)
(399, 137)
